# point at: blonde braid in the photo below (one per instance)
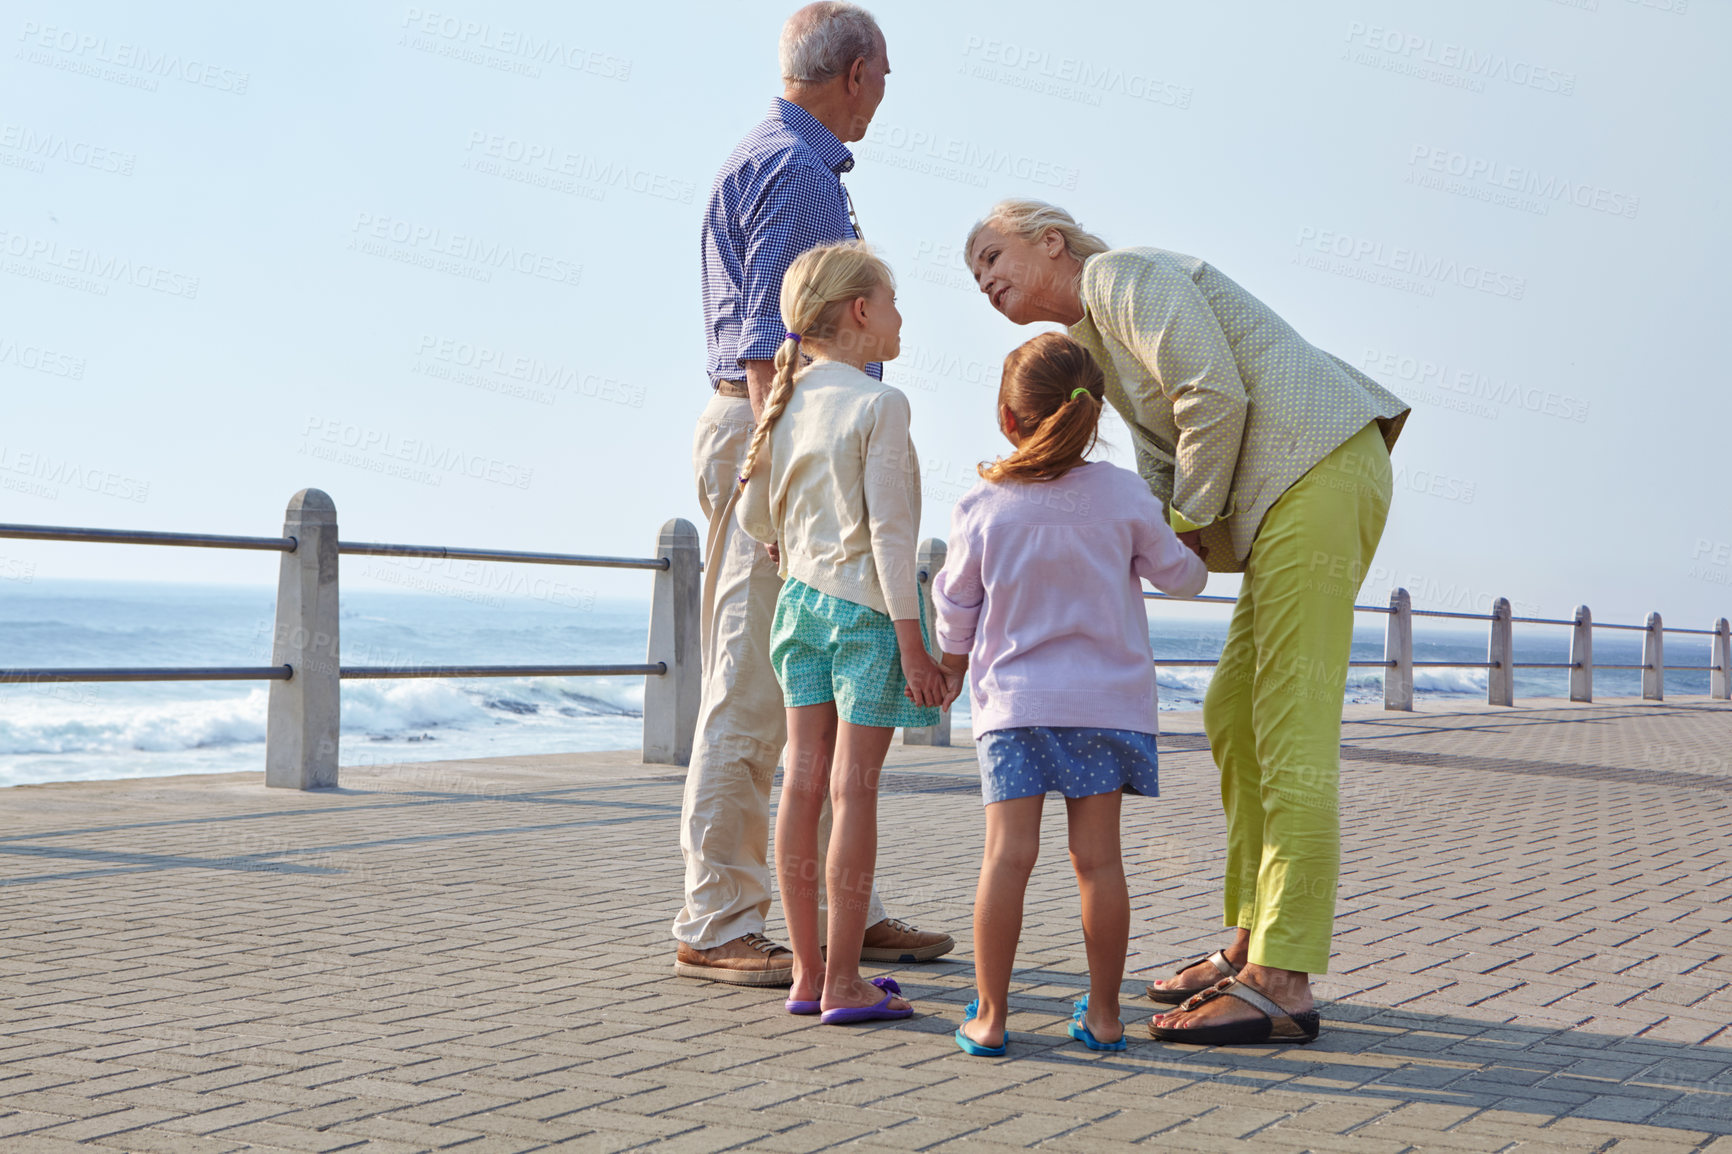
(781, 389)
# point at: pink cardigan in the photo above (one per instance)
(1041, 589)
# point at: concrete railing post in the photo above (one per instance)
(1582, 656)
(1500, 654)
(302, 717)
(928, 561)
(1398, 651)
(670, 700)
(1720, 680)
(1654, 661)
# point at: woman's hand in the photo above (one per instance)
(1194, 542)
(774, 552)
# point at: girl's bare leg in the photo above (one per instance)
(1012, 845)
(805, 782)
(1106, 905)
(853, 857)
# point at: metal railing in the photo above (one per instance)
(1500, 651)
(303, 716)
(1398, 660)
(306, 670)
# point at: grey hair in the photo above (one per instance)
(821, 41)
(1030, 220)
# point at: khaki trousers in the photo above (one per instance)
(742, 725)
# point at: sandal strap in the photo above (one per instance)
(1226, 969)
(1202, 996)
(1246, 992)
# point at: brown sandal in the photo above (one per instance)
(1172, 997)
(1277, 1024)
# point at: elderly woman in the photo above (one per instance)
(1272, 458)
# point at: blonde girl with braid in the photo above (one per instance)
(833, 485)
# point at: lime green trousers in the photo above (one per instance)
(1273, 709)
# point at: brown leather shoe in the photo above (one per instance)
(894, 940)
(748, 960)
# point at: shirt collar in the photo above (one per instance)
(811, 130)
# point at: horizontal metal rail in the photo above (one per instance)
(132, 537)
(172, 673)
(374, 549)
(654, 668)
(1209, 597)
(1545, 665)
(1445, 613)
(1541, 621)
(1453, 664)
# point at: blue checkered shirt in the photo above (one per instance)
(779, 194)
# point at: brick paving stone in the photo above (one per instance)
(1532, 932)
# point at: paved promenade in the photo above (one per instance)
(1533, 954)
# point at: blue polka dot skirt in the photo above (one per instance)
(824, 648)
(1031, 760)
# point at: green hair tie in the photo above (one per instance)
(1079, 389)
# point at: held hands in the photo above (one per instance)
(1194, 542)
(927, 683)
(953, 685)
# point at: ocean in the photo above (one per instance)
(80, 731)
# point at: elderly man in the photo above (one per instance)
(779, 194)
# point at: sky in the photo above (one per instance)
(441, 261)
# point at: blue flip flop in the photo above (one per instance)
(801, 1006)
(1083, 1034)
(878, 1011)
(968, 1045)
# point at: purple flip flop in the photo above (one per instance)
(801, 1006)
(880, 1011)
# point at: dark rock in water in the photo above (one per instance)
(522, 708)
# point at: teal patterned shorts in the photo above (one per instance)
(828, 649)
